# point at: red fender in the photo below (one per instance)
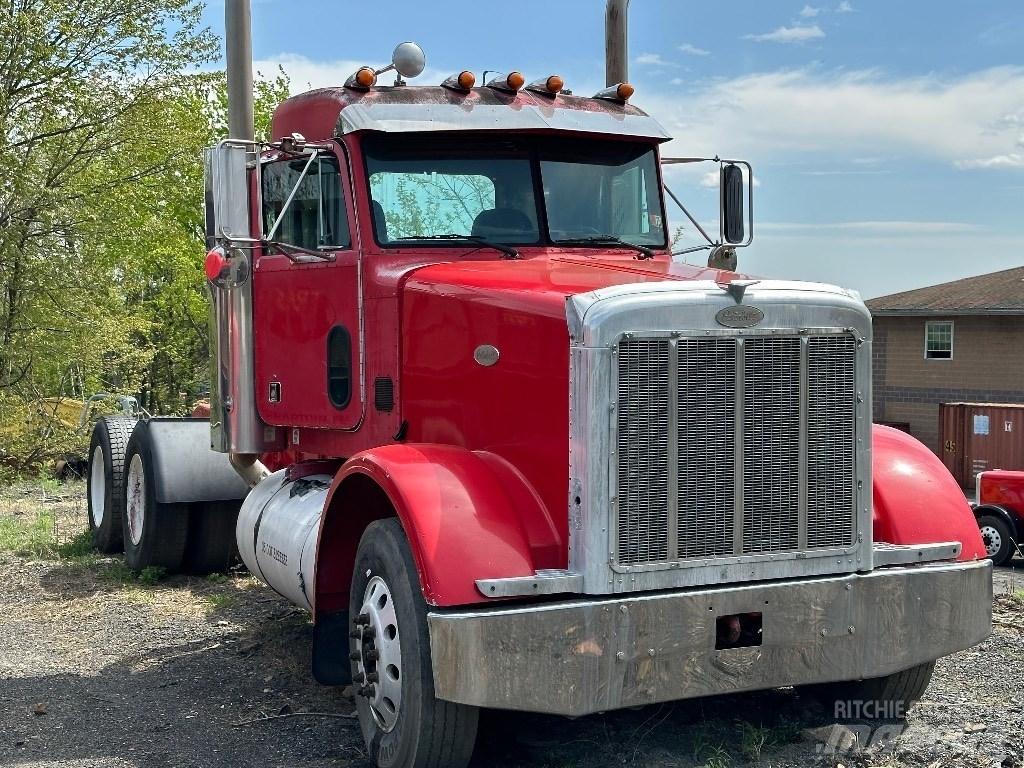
(468, 515)
(917, 501)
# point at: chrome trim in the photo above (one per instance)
(467, 116)
(546, 582)
(885, 555)
(576, 657)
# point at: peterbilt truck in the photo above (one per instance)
(506, 450)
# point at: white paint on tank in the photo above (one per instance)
(278, 528)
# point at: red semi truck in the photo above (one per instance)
(999, 508)
(508, 452)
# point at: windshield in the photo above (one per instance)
(524, 191)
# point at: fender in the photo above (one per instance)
(467, 514)
(1004, 514)
(916, 499)
(185, 469)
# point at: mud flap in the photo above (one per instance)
(331, 665)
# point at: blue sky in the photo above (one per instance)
(887, 138)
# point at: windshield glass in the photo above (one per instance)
(504, 190)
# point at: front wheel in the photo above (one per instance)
(403, 723)
(882, 698)
(998, 539)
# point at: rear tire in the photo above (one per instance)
(105, 481)
(418, 730)
(211, 537)
(997, 537)
(891, 696)
(154, 533)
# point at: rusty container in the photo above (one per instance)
(975, 437)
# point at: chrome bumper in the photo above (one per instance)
(580, 656)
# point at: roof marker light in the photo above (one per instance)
(549, 86)
(363, 79)
(510, 83)
(463, 81)
(619, 92)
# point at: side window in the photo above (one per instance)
(315, 218)
(339, 366)
(938, 340)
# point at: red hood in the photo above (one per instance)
(541, 284)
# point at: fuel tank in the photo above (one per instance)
(277, 533)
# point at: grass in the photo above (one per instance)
(29, 536)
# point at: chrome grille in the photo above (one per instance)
(643, 450)
(751, 453)
(831, 424)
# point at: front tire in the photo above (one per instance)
(105, 481)
(154, 533)
(404, 725)
(890, 696)
(997, 537)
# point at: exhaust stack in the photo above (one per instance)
(616, 42)
(235, 425)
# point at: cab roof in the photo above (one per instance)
(331, 112)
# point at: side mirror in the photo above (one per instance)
(732, 204)
(227, 193)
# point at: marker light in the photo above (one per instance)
(620, 92)
(549, 86)
(363, 79)
(460, 82)
(510, 83)
(216, 263)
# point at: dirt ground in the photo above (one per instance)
(101, 668)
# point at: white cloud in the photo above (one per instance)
(874, 227)
(809, 12)
(693, 50)
(795, 34)
(654, 59)
(712, 179)
(844, 7)
(848, 115)
(306, 74)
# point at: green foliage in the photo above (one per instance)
(151, 574)
(104, 113)
(32, 537)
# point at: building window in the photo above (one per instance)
(938, 340)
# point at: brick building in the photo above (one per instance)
(956, 342)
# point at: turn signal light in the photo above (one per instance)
(363, 79)
(620, 92)
(463, 81)
(511, 82)
(216, 263)
(549, 86)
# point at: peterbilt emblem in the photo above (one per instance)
(739, 316)
(486, 355)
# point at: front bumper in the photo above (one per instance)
(575, 657)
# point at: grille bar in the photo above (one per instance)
(729, 446)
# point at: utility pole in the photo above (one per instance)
(616, 42)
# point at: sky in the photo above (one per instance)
(887, 138)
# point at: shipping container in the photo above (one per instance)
(974, 437)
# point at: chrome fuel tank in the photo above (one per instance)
(277, 532)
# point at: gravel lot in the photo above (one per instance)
(100, 669)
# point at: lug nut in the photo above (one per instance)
(356, 634)
(362, 619)
(372, 655)
(373, 677)
(359, 677)
(366, 691)
(355, 656)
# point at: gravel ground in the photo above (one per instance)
(99, 669)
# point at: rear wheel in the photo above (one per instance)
(105, 481)
(883, 698)
(403, 723)
(998, 538)
(154, 533)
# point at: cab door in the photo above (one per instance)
(306, 302)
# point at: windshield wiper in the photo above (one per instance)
(508, 250)
(644, 251)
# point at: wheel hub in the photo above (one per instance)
(378, 654)
(993, 540)
(136, 512)
(97, 487)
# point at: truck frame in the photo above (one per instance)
(469, 412)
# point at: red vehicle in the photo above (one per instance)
(999, 509)
(508, 452)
